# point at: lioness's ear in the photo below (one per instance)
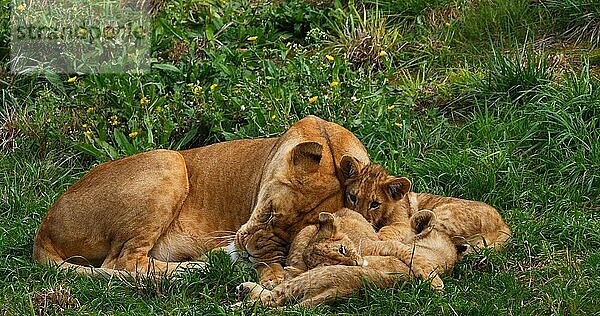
(350, 167)
(422, 221)
(307, 156)
(327, 228)
(397, 187)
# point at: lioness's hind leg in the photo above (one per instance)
(132, 256)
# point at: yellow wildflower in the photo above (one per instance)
(82, 31)
(313, 99)
(398, 125)
(21, 7)
(144, 101)
(273, 117)
(191, 84)
(85, 126)
(334, 83)
(252, 38)
(89, 110)
(214, 86)
(158, 109)
(88, 133)
(197, 90)
(382, 53)
(391, 107)
(133, 134)
(114, 120)
(49, 120)
(72, 79)
(330, 58)
(446, 24)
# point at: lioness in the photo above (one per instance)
(150, 212)
(335, 238)
(387, 203)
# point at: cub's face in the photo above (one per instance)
(331, 247)
(367, 198)
(371, 191)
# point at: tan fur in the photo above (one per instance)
(152, 211)
(370, 191)
(323, 283)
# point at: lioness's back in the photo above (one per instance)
(233, 180)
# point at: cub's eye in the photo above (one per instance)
(374, 205)
(352, 198)
(342, 250)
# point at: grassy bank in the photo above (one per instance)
(494, 100)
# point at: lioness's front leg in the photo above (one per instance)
(271, 274)
(264, 248)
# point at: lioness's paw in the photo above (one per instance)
(271, 276)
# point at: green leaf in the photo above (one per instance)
(110, 150)
(210, 33)
(167, 130)
(186, 138)
(149, 130)
(166, 67)
(91, 150)
(124, 143)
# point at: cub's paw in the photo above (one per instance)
(437, 284)
(248, 291)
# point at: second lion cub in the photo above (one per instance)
(387, 203)
(332, 252)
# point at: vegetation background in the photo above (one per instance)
(493, 100)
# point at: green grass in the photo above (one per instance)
(488, 100)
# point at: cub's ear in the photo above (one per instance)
(350, 167)
(327, 228)
(397, 187)
(422, 222)
(306, 156)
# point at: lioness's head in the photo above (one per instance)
(330, 246)
(298, 183)
(370, 190)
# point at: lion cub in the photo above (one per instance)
(385, 201)
(337, 240)
(344, 238)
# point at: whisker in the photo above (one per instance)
(360, 247)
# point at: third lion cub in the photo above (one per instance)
(387, 203)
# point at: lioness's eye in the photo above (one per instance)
(342, 250)
(374, 205)
(352, 198)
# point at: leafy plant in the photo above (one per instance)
(364, 39)
(517, 78)
(580, 19)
